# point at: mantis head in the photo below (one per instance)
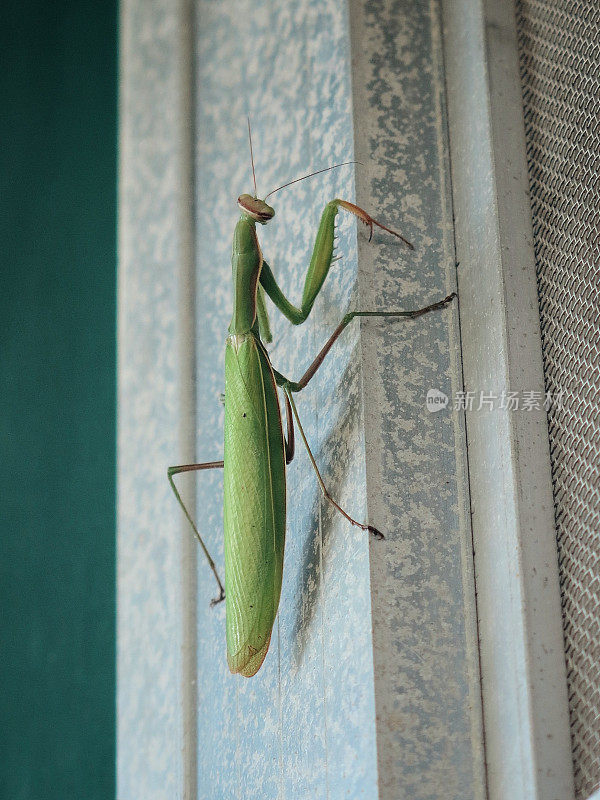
(256, 209)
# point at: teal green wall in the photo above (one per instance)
(57, 399)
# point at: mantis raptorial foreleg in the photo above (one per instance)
(320, 261)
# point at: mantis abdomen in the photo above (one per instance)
(254, 502)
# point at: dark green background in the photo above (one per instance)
(57, 414)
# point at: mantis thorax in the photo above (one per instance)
(246, 262)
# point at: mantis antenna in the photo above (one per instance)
(304, 177)
(252, 157)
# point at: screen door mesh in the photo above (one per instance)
(560, 69)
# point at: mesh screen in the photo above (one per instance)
(560, 70)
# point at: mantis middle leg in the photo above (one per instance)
(297, 386)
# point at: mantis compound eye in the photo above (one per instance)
(256, 209)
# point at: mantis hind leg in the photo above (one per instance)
(364, 526)
(193, 468)
(290, 445)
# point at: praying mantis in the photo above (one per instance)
(256, 450)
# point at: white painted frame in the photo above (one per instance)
(524, 690)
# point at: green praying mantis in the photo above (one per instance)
(256, 449)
